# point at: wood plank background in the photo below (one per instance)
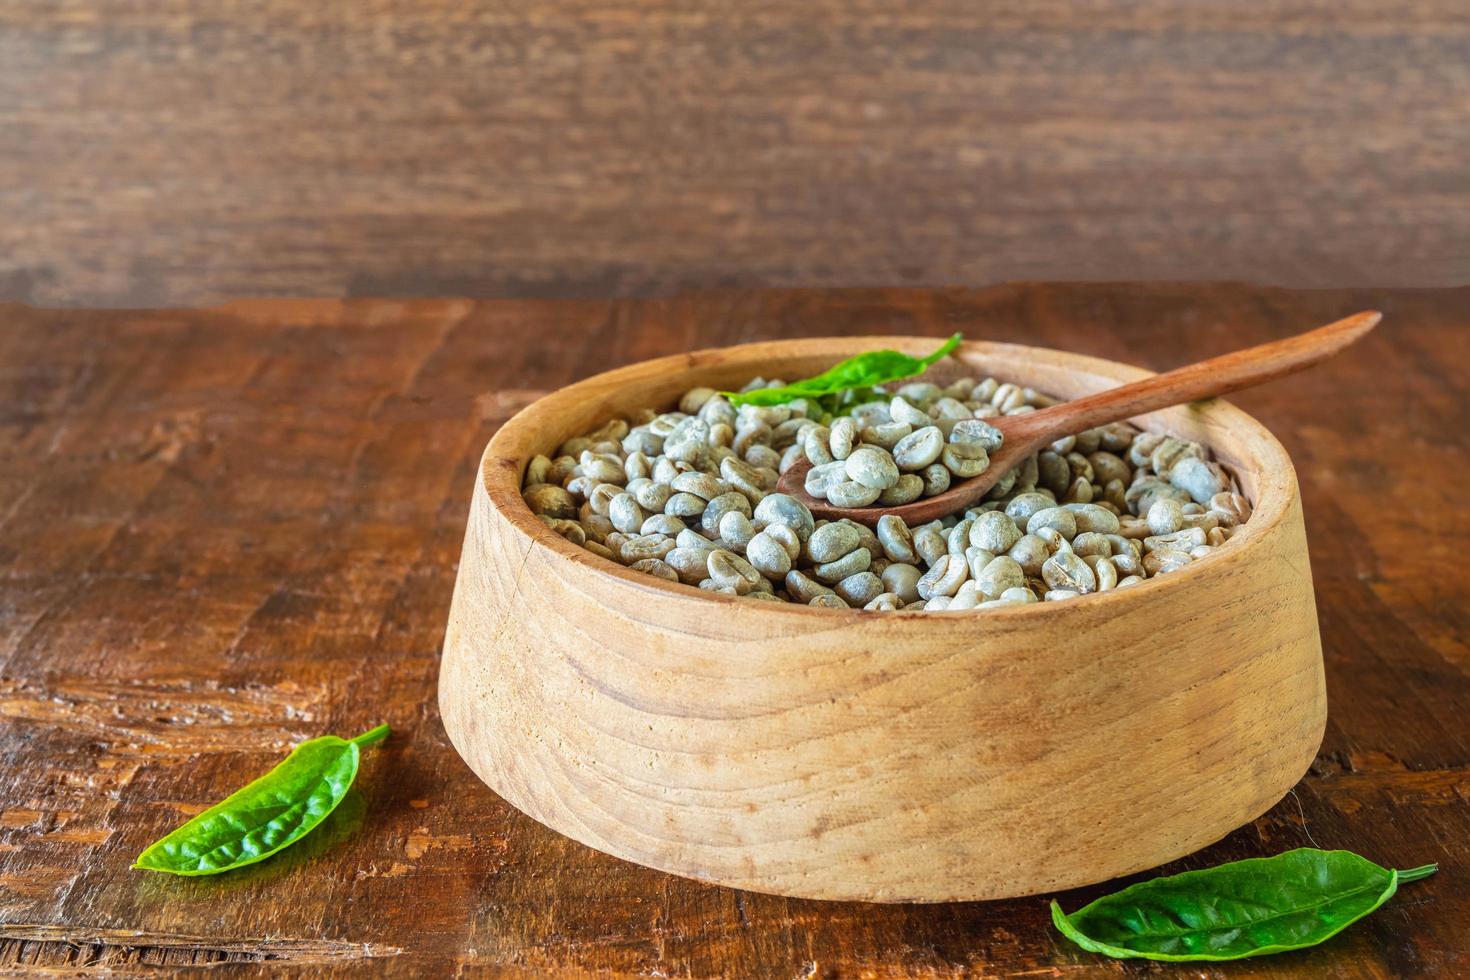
(224, 531)
(173, 151)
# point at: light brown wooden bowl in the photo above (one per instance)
(891, 756)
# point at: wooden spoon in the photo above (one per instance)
(1032, 431)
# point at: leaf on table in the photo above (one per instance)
(267, 815)
(1247, 908)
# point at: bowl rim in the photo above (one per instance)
(503, 463)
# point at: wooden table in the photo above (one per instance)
(226, 530)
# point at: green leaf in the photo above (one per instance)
(863, 371)
(1247, 908)
(271, 813)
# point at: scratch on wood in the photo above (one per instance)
(296, 951)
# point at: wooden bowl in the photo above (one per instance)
(891, 756)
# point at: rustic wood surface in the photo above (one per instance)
(568, 147)
(223, 531)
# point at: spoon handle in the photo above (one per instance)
(1206, 379)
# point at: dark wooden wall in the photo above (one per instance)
(177, 151)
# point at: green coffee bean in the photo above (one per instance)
(872, 467)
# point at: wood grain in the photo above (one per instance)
(224, 531)
(910, 757)
(176, 152)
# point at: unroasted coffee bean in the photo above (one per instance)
(1165, 560)
(537, 471)
(850, 493)
(786, 537)
(661, 524)
(736, 530)
(1022, 506)
(820, 479)
(1092, 543)
(780, 508)
(1230, 508)
(1143, 493)
(872, 467)
(729, 570)
(1002, 573)
(866, 536)
(766, 458)
(1165, 516)
(1128, 564)
(968, 597)
(685, 506)
(1092, 517)
(816, 442)
(645, 546)
(977, 432)
(803, 588)
(1190, 537)
(919, 448)
(886, 435)
(901, 410)
(1054, 539)
(849, 564)
(768, 556)
(1030, 552)
(1052, 472)
(1170, 451)
(936, 478)
(1066, 571)
(690, 564)
(896, 540)
(548, 500)
(831, 541)
(569, 529)
(910, 487)
(601, 498)
(976, 559)
(625, 513)
(995, 532)
(843, 438)
(1107, 467)
(1059, 519)
(743, 477)
(717, 508)
(703, 485)
(656, 568)
(655, 496)
(860, 588)
(902, 579)
(693, 539)
(965, 459)
(944, 577)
